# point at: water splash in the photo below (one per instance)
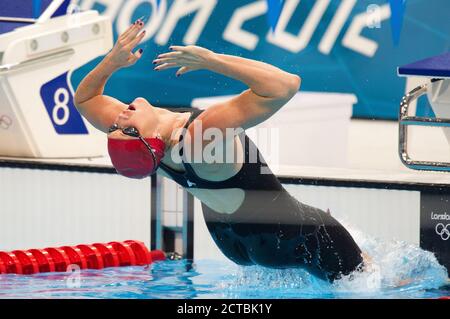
(395, 269)
(394, 265)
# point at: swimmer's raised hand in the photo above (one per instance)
(121, 54)
(186, 58)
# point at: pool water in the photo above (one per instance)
(398, 270)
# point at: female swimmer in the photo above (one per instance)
(250, 216)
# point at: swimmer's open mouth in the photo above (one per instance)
(131, 107)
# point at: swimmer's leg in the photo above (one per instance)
(230, 245)
(228, 242)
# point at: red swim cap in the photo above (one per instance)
(131, 158)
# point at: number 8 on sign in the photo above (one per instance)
(58, 101)
(61, 106)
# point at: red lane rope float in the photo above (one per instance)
(125, 253)
(76, 256)
(11, 262)
(95, 256)
(110, 257)
(28, 262)
(44, 260)
(2, 267)
(59, 257)
(141, 252)
(157, 255)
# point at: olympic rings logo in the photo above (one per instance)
(5, 122)
(443, 231)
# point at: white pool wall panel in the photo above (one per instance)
(41, 208)
(172, 204)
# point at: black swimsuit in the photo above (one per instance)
(271, 228)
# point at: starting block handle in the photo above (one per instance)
(405, 120)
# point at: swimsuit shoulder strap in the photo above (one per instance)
(188, 178)
(183, 178)
(194, 114)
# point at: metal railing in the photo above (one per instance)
(405, 120)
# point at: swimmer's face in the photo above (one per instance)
(139, 114)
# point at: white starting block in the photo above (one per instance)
(436, 71)
(37, 114)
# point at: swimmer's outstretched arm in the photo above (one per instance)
(99, 109)
(269, 87)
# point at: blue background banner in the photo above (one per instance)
(344, 46)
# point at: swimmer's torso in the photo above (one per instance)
(225, 200)
(254, 220)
